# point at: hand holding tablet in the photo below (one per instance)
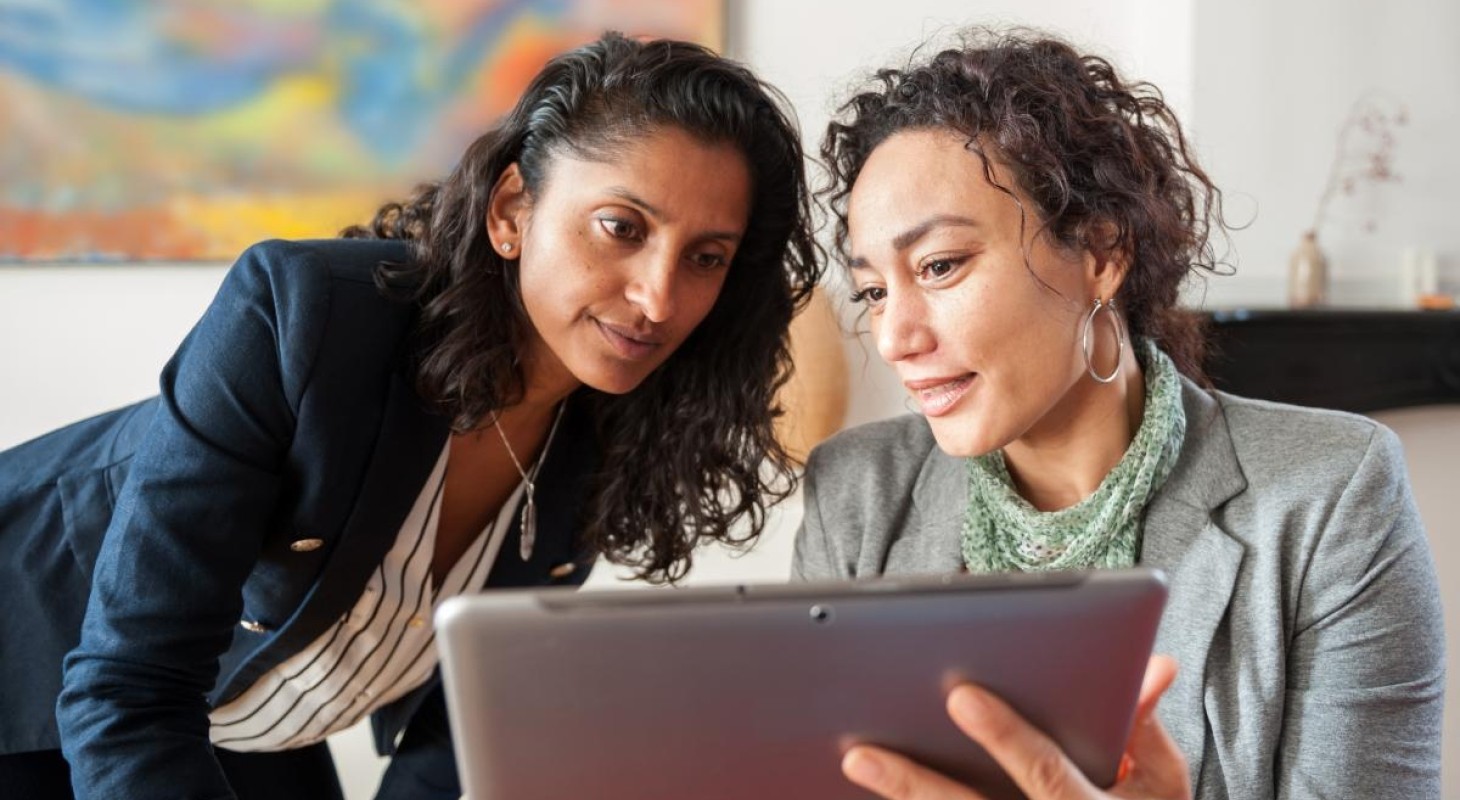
(1152, 766)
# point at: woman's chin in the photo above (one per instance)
(957, 438)
(619, 387)
(612, 381)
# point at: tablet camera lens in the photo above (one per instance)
(821, 614)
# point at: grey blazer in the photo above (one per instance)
(1304, 611)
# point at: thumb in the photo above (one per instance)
(1160, 673)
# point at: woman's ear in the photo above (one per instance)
(507, 212)
(1106, 261)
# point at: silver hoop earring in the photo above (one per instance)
(1087, 343)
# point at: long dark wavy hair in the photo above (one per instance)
(1102, 161)
(691, 449)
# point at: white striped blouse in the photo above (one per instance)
(378, 652)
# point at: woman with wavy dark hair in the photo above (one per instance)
(570, 347)
(1019, 219)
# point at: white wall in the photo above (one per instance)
(1273, 83)
(74, 341)
(1431, 438)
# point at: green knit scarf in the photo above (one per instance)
(1004, 533)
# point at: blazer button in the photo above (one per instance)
(306, 545)
(562, 570)
(253, 626)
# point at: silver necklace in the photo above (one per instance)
(528, 521)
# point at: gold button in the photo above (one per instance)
(253, 626)
(562, 570)
(417, 622)
(306, 545)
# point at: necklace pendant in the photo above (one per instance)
(528, 532)
(527, 524)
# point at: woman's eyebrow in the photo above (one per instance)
(624, 194)
(649, 208)
(910, 237)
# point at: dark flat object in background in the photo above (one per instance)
(1353, 360)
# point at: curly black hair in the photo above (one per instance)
(1100, 160)
(690, 450)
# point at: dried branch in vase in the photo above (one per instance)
(1365, 152)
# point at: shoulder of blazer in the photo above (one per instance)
(1234, 444)
(338, 259)
(1272, 439)
(888, 452)
(320, 298)
(299, 276)
(867, 478)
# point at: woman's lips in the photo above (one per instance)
(938, 396)
(628, 343)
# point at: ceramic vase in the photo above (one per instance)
(1307, 274)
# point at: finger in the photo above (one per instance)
(1158, 767)
(896, 777)
(1152, 765)
(1032, 759)
(1160, 673)
(1152, 746)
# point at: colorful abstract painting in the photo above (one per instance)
(185, 130)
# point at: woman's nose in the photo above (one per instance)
(651, 286)
(902, 328)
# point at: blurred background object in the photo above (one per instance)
(815, 399)
(173, 130)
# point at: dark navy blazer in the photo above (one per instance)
(288, 413)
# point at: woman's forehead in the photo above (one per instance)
(921, 175)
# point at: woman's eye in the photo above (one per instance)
(939, 267)
(709, 261)
(619, 228)
(871, 295)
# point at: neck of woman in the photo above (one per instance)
(1065, 456)
(546, 383)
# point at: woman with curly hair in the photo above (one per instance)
(1018, 220)
(570, 347)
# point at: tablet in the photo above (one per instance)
(756, 691)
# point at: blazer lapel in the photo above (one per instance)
(407, 446)
(933, 542)
(1182, 538)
